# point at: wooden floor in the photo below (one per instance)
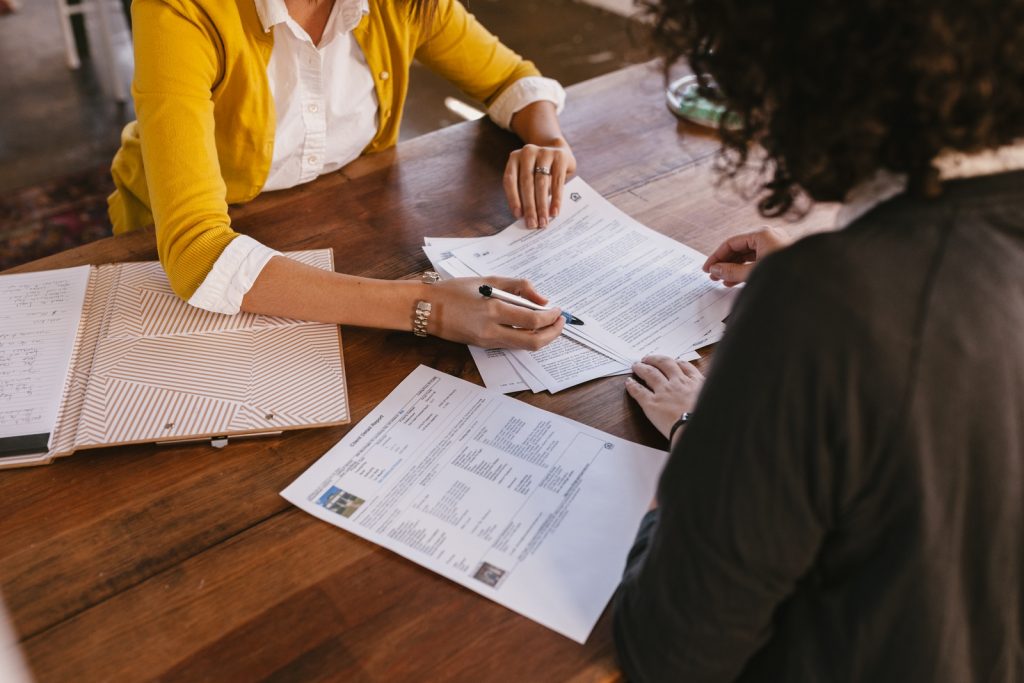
(183, 563)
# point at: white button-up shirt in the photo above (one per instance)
(326, 115)
(327, 106)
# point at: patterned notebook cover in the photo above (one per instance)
(149, 367)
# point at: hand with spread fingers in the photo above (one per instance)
(460, 314)
(670, 388)
(736, 257)
(534, 178)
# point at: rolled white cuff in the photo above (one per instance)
(523, 92)
(232, 275)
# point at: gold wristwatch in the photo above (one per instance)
(421, 314)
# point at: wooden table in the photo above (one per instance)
(184, 563)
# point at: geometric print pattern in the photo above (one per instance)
(149, 367)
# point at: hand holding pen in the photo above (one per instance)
(495, 293)
(460, 314)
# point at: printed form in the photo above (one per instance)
(638, 292)
(532, 510)
(644, 289)
(577, 355)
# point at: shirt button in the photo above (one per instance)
(313, 108)
(384, 75)
(311, 159)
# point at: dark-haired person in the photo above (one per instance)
(239, 97)
(846, 501)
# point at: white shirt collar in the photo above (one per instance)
(886, 185)
(348, 14)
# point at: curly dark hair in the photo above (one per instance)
(834, 90)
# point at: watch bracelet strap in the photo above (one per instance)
(683, 419)
(420, 318)
(421, 314)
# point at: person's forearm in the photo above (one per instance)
(537, 124)
(291, 289)
(458, 312)
(535, 174)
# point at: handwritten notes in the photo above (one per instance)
(39, 315)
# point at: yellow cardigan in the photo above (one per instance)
(205, 131)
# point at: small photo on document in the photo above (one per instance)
(342, 502)
(489, 574)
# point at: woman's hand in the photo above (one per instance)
(461, 314)
(534, 178)
(733, 261)
(671, 389)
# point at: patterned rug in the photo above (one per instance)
(41, 220)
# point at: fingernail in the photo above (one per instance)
(518, 213)
(716, 271)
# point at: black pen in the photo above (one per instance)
(495, 293)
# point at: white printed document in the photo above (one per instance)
(638, 292)
(532, 510)
(641, 287)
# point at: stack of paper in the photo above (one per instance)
(637, 291)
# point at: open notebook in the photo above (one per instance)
(147, 367)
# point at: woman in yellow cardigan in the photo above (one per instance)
(236, 97)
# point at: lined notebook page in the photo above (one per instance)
(39, 317)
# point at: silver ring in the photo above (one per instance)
(542, 170)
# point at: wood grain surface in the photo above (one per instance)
(182, 563)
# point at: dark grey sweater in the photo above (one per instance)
(847, 503)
